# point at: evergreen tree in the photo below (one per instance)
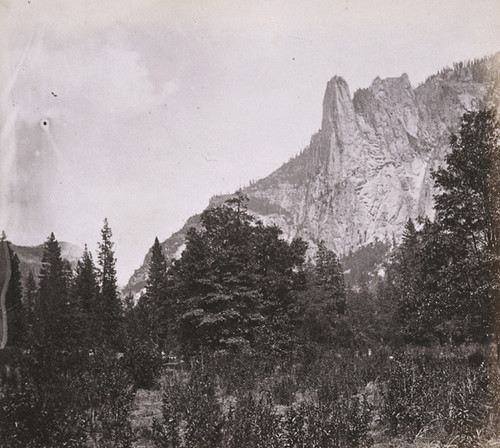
(30, 294)
(465, 203)
(412, 282)
(157, 273)
(85, 292)
(109, 308)
(59, 394)
(404, 276)
(233, 273)
(409, 239)
(58, 326)
(152, 304)
(443, 275)
(51, 317)
(16, 314)
(328, 276)
(278, 274)
(220, 305)
(467, 213)
(324, 300)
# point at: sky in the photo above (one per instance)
(139, 111)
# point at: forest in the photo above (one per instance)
(251, 343)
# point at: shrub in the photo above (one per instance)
(144, 362)
(192, 415)
(442, 397)
(253, 423)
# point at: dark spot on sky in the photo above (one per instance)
(53, 94)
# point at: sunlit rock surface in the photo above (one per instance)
(368, 169)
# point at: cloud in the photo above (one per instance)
(85, 79)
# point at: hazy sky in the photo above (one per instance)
(155, 106)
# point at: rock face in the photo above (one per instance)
(368, 169)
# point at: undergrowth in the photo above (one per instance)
(439, 396)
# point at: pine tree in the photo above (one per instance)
(330, 278)
(153, 304)
(85, 292)
(324, 300)
(465, 203)
(443, 275)
(60, 394)
(30, 294)
(412, 282)
(54, 311)
(466, 211)
(109, 304)
(234, 281)
(220, 304)
(16, 314)
(409, 238)
(278, 273)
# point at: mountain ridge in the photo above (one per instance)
(368, 168)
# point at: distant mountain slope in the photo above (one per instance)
(30, 257)
(368, 169)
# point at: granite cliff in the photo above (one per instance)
(368, 169)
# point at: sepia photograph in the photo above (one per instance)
(250, 224)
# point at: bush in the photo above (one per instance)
(273, 413)
(253, 422)
(144, 362)
(34, 416)
(440, 397)
(192, 415)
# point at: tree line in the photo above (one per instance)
(77, 351)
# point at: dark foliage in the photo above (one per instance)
(235, 282)
(60, 386)
(109, 305)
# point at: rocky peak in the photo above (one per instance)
(369, 167)
(336, 104)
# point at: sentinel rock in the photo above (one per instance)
(368, 169)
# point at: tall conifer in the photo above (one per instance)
(85, 291)
(51, 311)
(109, 304)
(153, 303)
(16, 314)
(29, 298)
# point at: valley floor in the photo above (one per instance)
(418, 399)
